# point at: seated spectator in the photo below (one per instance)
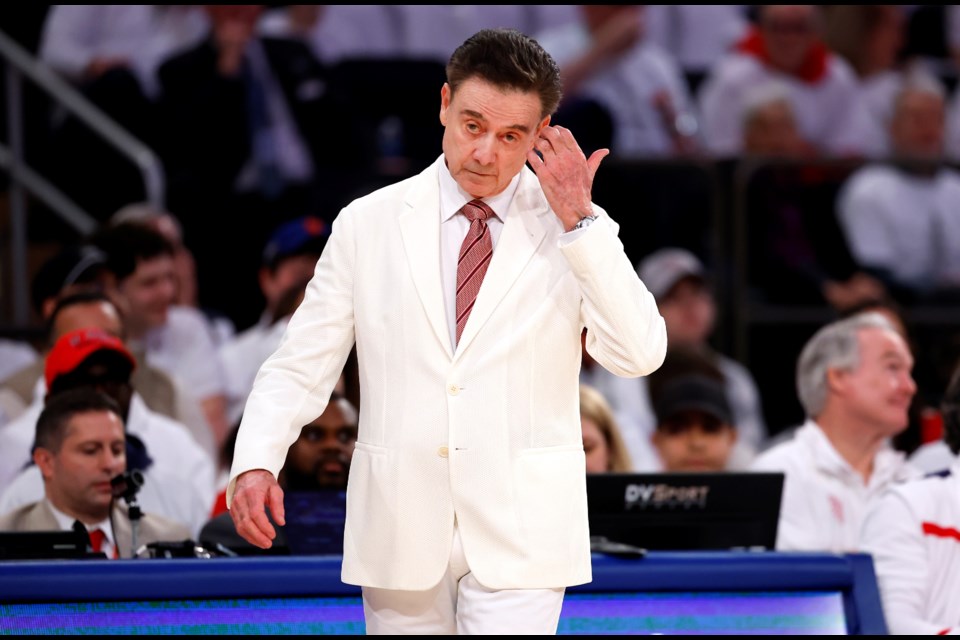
(870, 37)
(797, 253)
(912, 534)
(769, 124)
(695, 429)
(785, 47)
(899, 219)
(607, 58)
(180, 476)
(249, 138)
(80, 447)
(79, 311)
(679, 282)
(185, 267)
(696, 35)
(174, 339)
(602, 444)
(854, 382)
(83, 42)
(318, 462)
(289, 260)
(111, 53)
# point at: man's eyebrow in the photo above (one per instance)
(479, 116)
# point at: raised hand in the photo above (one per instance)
(565, 174)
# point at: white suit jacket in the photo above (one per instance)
(489, 433)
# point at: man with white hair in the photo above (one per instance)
(855, 385)
(900, 221)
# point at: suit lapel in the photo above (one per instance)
(420, 231)
(523, 231)
(122, 532)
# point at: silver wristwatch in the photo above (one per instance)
(585, 222)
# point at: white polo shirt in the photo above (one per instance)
(824, 498)
(913, 533)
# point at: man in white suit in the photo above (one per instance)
(466, 501)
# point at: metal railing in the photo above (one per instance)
(19, 64)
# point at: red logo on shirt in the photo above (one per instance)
(836, 507)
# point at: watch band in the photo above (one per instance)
(585, 222)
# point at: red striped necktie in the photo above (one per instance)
(475, 254)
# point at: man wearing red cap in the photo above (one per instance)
(181, 475)
(80, 448)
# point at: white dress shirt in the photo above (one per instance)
(824, 498)
(913, 534)
(453, 229)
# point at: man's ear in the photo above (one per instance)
(836, 379)
(445, 96)
(44, 459)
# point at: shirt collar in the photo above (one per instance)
(66, 522)
(887, 464)
(452, 197)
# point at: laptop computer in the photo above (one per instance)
(685, 511)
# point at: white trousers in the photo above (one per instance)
(461, 605)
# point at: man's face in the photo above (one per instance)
(688, 311)
(78, 475)
(917, 127)
(789, 30)
(694, 441)
(320, 458)
(95, 313)
(880, 388)
(149, 291)
(487, 134)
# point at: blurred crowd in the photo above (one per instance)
(269, 118)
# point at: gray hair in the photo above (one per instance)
(835, 346)
(758, 97)
(917, 80)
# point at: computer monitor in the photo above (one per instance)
(40, 545)
(685, 511)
